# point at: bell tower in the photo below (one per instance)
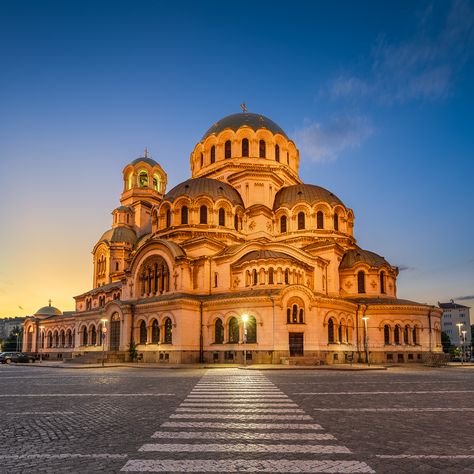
(144, 187)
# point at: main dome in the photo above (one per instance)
(246, 119)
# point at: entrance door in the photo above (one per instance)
(296, 344)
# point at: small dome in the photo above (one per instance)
(123, 209)
(354, 256)
(211, 187)
(256, 255)
(48, 311)
(144, 159)
(120, 234)
(308, 193)
(253, 121)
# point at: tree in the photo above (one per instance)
(446, 342)
(10, 343)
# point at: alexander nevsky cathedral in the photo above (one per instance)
(242, 258)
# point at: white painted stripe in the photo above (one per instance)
(237, 390)
(425, 456)
(241, 426)
(233, 396)
(19, 413)
(63, 456)
(244, 436)
(205, 403)
(421, 392)
(246, 465)
(240, 410)
(240, 416)
(44, 395)
(246, 447)
(395, 409)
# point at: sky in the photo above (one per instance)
(378, 97)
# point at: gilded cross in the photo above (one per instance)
(243, 106)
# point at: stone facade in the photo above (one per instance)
(178, 270)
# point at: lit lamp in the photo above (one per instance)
(366, 340)
(460, 325)
(463, 347)
(104, 333)
(245, 318)
(41, 328)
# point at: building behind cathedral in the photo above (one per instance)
(178, 269)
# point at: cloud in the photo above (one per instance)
(466, 297)
(421, 68)
(327, 141)
(404, 268)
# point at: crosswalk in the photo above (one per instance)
(238, 421)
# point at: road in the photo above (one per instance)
(110, 420)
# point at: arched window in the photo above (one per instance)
(155, 332)
(184, 215)
(406, 335)
(245, 147)
(156, 183)
(168, 331)
(331, 331)
(336, 221)
(153, 277)
(228, 149)
(202, 160)
(255, 277)
(396, 334)
(143, 179)
(301, 320)
(213, 154)
(222, 217)
(262, 149)
(233, 330)
(339, 333)
(218, 332)
(93, 335)
(386, 334)
(168, 218)
(287, 277)
(271, 274)
(283, 224)
(288, 316)
(415, 336)
(301, 219)
(142, 332)
(277, 153)
(84, 336)
(203, 215)
(320, 220)
(382, 282)
(361, 282)
(294, 314)
(236, 222)
(251, 326)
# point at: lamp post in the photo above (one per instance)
(460, 325)
(41, 328)
(245, 318)
(104, 333)
(366, 340)
(463, 347)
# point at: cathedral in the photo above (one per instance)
(241, 263)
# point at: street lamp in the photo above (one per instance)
(460, 325)
(104, 332)
(366, 340)
(41, 328)
(463, 347)
(245, 318)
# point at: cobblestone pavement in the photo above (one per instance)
(229, 420)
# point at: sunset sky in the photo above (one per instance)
(378, 97)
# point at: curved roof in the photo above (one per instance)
(211, 187)
(48, 311)
(246, 119)
(354, 256)
(308, 193)
(123, 208)
(120, 234)
(144, 160)
(255, 255)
